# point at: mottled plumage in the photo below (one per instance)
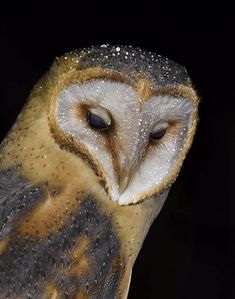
(86, 168)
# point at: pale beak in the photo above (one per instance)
(126, 176)
(127, 170)
(124, 180)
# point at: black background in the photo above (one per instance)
(188, 252)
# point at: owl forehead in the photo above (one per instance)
(134, 62)
(148, 73)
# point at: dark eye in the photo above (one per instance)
(97, 122)
(157, 134)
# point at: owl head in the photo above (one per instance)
(130, 114)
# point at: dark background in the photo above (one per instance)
(188, 252)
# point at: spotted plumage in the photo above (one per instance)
(87, 167)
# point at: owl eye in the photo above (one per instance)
(157, 135)
(98, 119)
(159, 131)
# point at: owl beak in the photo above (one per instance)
(128, 170)
(124, 180)
(125, 177)
(127, 167)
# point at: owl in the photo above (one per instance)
(86, 169)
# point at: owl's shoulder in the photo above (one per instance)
(47, 235)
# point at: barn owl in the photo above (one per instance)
(86, 169)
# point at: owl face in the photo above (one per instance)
(132, 133)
